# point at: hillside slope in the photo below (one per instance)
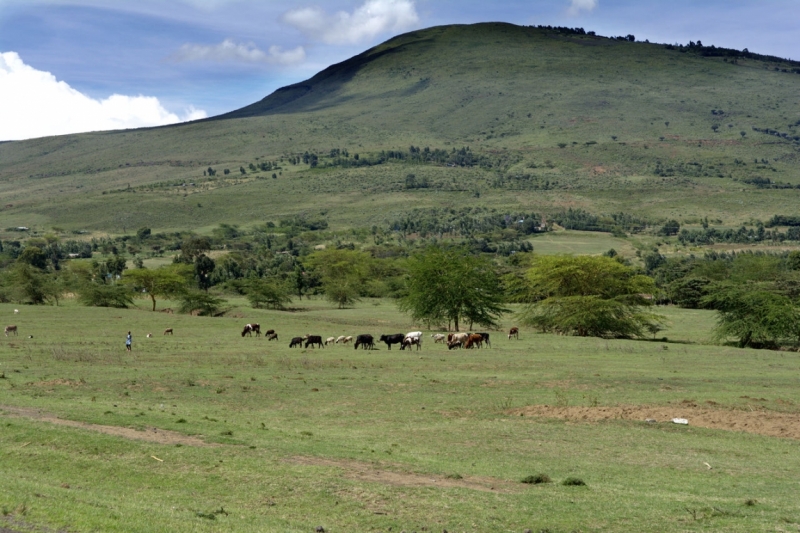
(587, 113)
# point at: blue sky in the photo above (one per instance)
(104, 64)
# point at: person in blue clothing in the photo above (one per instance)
(128, 341)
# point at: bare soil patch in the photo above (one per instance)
(759, 422)
(155, 435)
(393, 475)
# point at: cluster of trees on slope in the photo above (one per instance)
(755, 294)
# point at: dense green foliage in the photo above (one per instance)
(588, 296)
(450, 286)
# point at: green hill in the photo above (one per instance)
(552, 119)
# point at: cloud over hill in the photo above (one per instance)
(33, 103)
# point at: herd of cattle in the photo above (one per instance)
(367, 341)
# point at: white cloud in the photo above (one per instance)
(34, 103)
(579, 6)
(230, 51)
(366, 22)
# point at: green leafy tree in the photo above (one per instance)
(201, 303)
(589, 296)
(203, 268)
(267, 293)
(102, 295)
(754, 316)
(342, 273)
(688, 292)
(450, 285)
(163, 282)
(33, 256)
(29, 284)
(670, 227)
(192, 248)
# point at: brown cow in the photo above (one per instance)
(272, 337)
(513, 332)
(168, 331)
(474, 340)
(11, 329)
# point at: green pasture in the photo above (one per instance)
(296, 433)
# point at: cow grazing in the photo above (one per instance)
(347, 339)
(296, 341)
(249, 329)
(411, 341)
(397, 338)
(485, 339)
(330, 340)
(474, 340)
(168, 331)
(453, 345)
(311, 340)
(367, 342)
(438, 337)
(10, 329)
(269, 332)
(272, 336)
(460, 338)
(513, 333)
(149, 335)
(340, 339)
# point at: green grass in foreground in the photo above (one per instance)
(376, 424)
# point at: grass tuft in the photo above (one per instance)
(573, 482)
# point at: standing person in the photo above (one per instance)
(128, 341)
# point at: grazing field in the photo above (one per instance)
(208, 431)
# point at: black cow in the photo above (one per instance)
(269, 332)
(314, 339)
(367, 341)
(485, 339)
(297, 341)
(397, 338)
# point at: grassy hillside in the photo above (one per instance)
(561, 120)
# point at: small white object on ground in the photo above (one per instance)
(680, 421)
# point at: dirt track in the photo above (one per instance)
(393, 475)
(760, 422)
(158, 436)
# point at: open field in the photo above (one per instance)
(253, 436)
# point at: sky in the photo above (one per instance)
(69, 66)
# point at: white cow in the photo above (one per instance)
(330, 340)
(340, 339)
(438, 337)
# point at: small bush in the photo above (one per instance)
(573, 482)
(537, 479)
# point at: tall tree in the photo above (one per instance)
(753, 315)
(163, 282)
(342, 272)
(450, 285)
(589, 296)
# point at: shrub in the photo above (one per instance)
(573, 482)
(537, 479)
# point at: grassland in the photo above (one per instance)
(286, 440)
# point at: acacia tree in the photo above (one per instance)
(343, 273)
(268, 293)
(451, 285)
(753, 315)
(163, 282)
(589, 296)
